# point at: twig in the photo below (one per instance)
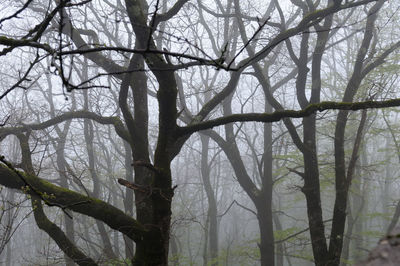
(22, 79)
(17, 12)
(238, 204)
(298, 233)
(152, 24)
(261, 26)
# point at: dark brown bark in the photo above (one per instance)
(259, 198)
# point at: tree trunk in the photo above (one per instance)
(174, 251)
(264, 203)
(89, 136)
(128, 199)
(212, 204)
(312, 192)
(266, 244)
(280, 247)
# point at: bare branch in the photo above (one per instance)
(279, 115)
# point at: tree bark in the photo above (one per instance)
(212, 204)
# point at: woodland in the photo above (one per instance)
(198, 132)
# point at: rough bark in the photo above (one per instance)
(71, 200)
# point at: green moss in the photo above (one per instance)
(66, 199)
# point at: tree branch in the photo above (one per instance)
(172, 12)
(58, 235)
(74, 201)
(279, 115)
(308, 21)
(112, 120)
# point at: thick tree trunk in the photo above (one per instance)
(312, 193)
(341, 188)
(153, 204)
(264, 202)
(266, 244)
(153, 248)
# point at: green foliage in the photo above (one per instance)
(372, 234)
(181, 260)
(245, 254)
(374, 215)
(282, 234)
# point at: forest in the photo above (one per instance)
(199, 132)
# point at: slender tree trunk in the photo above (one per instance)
(361, 201)
(280, 247)
(262, 198)
(174, 251)
(69, 224)
(347, 238)
(212, 204)
(128, 199)
(205, 245)
(9, 253)
(89, 136)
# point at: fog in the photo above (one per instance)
(200, 132)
